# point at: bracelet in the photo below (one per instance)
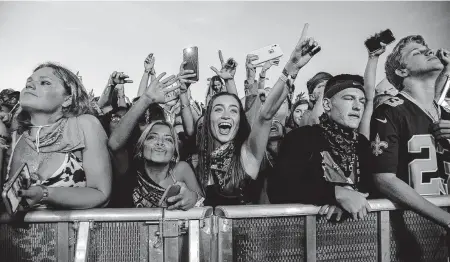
(283, 78)
(260, 76)
(183, 107)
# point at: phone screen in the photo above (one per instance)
(190, 55)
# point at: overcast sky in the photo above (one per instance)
(97, 38)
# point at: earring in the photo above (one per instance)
(139, 155)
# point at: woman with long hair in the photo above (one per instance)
(230, 152)
(63, 146)
(297, 111)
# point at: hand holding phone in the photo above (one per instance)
(266, 53)
(171, 191)
(376, 44)
(21, 180)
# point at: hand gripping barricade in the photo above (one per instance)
(291, 232)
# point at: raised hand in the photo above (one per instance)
(444, 56)
(183, 76)
(267, 65)
(305, 49)
(118, 78)
(228, 68)
(149, 64)
(251, 68)
(158, 88)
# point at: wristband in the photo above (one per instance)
(199, 202)
(283, 78)
(183, 107)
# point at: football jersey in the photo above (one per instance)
(402, 144)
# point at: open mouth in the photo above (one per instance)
(225, 128)
(159, 149)
(273, 129)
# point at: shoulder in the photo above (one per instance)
(90, 124)
(181, 169)
(394, 107)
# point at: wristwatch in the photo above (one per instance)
(44, 194)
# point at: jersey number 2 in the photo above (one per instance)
(417, 167)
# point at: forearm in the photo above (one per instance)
(121, 100)
(76, 197)
(106, 95)
(251, 76)
(370, 75)
(262, 79)
(400, 192)
(274, 101)
(231, 86)
(364, 125)
(126, 125)
(186, 114)
(143, 84)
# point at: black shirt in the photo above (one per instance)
(402, 144)
(299, 176)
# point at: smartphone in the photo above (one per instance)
(190, 56)
(10, 194)
(171, 191)
(386, 37)
(444, 92)
(373, 44)
(267, 53)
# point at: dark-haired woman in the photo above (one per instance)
(230, 153)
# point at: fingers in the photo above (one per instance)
(330, 212)
(215, 70)
(177, 205)
(339, 214)
(188, 81)
(176, 198)
(186, 76)
(304, 34)
(368, 207)
(160, 76)
(355, 216)
(221, 57)
(365, 194)
(128, 81)
(182, 66)
(170, 89)
(323, 209)
(169, 80)
(25, 193)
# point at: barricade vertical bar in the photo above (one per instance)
(81, 249)
(194, 241)
(170, 237)
(225, 240)
(144, 240)
(310, 230)
(155, 243)
(384, 242)
(63, 241)
(215, 239)
(206, 239)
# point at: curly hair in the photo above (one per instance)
(206, 145)
(394, 59)
(73, 86)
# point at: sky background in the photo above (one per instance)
(97, 38)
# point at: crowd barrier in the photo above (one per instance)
(233, 233)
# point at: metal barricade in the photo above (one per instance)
(137, 234)
(294, 232)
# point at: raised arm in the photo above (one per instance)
(149, 66)
(369, 89)
(115, 79)
(255, 146)
(227, 73)
(186, 111)
(155, 93)
(262, 75)
(444, 76)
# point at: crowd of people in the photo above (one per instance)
(348, 141)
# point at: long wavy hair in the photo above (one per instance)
(210, 91)
(73, 86)
(290, 123)
(138, 151)
(236, 172)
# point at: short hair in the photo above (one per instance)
(315, 80)
(394, 60)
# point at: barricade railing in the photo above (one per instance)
(295, 233)
(269, 233)
(137, 234)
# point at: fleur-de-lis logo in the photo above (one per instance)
(378, 146)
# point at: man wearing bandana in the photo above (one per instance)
(325, 164)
